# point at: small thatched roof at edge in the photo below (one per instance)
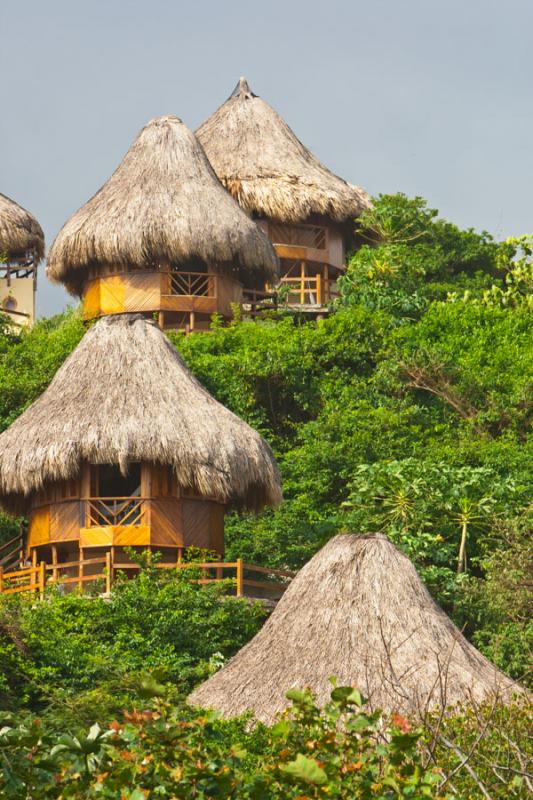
(162, 203)
(125, 395)
(19, 230)
(267, 169)
(358, 612)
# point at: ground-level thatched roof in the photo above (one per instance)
(267, 169)
(20, 232)
(163, 203)
(125, 395)
(359, 612)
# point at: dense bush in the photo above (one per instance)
(80, 657)
(165, 752)
(168, 750)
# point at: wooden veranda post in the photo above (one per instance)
(80, 571)
(240, 578)
(55, 572)
(325, 278)
(42, 578)
(318, 290)
(109, 572)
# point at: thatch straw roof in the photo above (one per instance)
(267, 169)
(162, 203)
(125, 395)
(19, 230)
(357, 611)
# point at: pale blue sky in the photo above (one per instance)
(426, 97)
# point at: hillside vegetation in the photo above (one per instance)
(408, 410)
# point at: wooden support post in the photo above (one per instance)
(34, 558)
(318, 289)
(302, 283)
(179, 558)
(1, 580)
(161, 320)
(219, 573)
(109, 569)
(80, 571)
(325, 278)
(191, 321)
(240, 576)
(42, 578)
(55, 571)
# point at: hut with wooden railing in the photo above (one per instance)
(306, 210)
(125, 448)
(358, 612)
(162, 237)
(21, 250)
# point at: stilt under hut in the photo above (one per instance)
(21, 250)
(125, 448)
(308, 212)
(359, 612)
(162, 237)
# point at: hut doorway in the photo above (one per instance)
(112, 483)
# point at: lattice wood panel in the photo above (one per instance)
(166, 521)
(196, 523)
(143, 292)
(301, 235)
(65, 521)
(39, 531)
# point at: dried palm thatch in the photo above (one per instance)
(20, 232)
(357, 611)
(125, 395)
(267, 169)
(162, 203)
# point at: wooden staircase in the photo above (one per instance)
(12, 553)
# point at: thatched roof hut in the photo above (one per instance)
(357, 611)
(20, 232)
(125, 395)
(163, 203)
(267, 169)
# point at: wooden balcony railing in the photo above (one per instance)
(267, 583)
(192, 284)
(103, 511)
(307, 290)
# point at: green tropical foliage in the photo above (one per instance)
(73, 655)
(165, 752)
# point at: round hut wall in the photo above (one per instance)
(104, 509)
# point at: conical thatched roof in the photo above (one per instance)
(359, 612)
(267, 169)
(162, 203)
(19, 230)
(125, 395)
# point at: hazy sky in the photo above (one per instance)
(424, 96)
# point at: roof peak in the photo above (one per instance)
(242, 89)
(163, 119)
